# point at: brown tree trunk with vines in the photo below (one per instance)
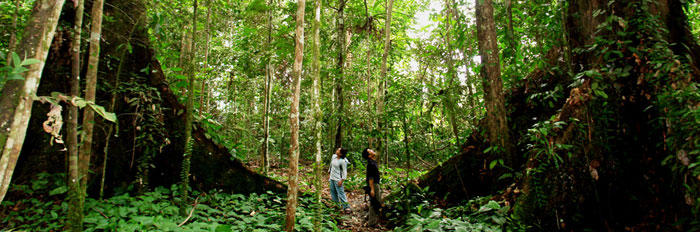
(189, 115)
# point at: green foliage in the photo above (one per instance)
(479, 214)
(148, 121)
(155, 211)
(14, 67)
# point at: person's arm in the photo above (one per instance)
(371, 187)
(344, 173)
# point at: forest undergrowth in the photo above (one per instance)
(40, 205)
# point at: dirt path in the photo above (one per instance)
(354, 221)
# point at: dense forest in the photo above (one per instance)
(229, 115)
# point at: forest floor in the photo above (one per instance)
(356, 220)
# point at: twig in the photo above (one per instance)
(461, 181)
(191, 211)
(103, 214)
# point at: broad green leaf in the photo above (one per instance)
(102, 112)
(30, 62)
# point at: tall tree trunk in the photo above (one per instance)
(496, 124)
(382, 83)
(13, 36)
(265, 157)
(451, 75)
(191, 67)
(16, 99)
(341, 68)
(510, 33)
(75, 213)
(206, 62)
(292, 189)
(90, 89)
(368, 25)
(318, 114)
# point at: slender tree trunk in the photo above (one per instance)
(341, 69)
(382, 82)
(75, 213)
(206, 62)
(185, 176)
(318, 114)
(90, 89)
(265, 157)
(183, 48)
(294, 119)
(496, 121)
(451, 75)
(13, 36)
(16, 99)
(510, 32)
(369, 75)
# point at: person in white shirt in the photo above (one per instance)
(338, 174)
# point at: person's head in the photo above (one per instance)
(368, 154)
(341, 152)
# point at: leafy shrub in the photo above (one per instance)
(157, 211)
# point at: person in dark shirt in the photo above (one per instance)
(375, 192)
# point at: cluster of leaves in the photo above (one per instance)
(156, 211)
(148, 122)
(14, 67)
(479, 214)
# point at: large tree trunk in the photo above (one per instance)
(293, 175)
(496, 120)
(611, 134)
(213, 166)
(75, 212)
(16, 99)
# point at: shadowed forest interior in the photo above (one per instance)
(228, 115)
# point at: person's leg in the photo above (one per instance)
(342, 198)
(334, 191)
(373, 216)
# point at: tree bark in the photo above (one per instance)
(189, 119)
(341, 68)
(368, 31)
(13, 36)
(265, 157)
(206, 62)
(90, 89)
(496, 120)
(451, 75)
(16, 99)
(292, 189)
(75, 213)
(318, 114)
(382, 83)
